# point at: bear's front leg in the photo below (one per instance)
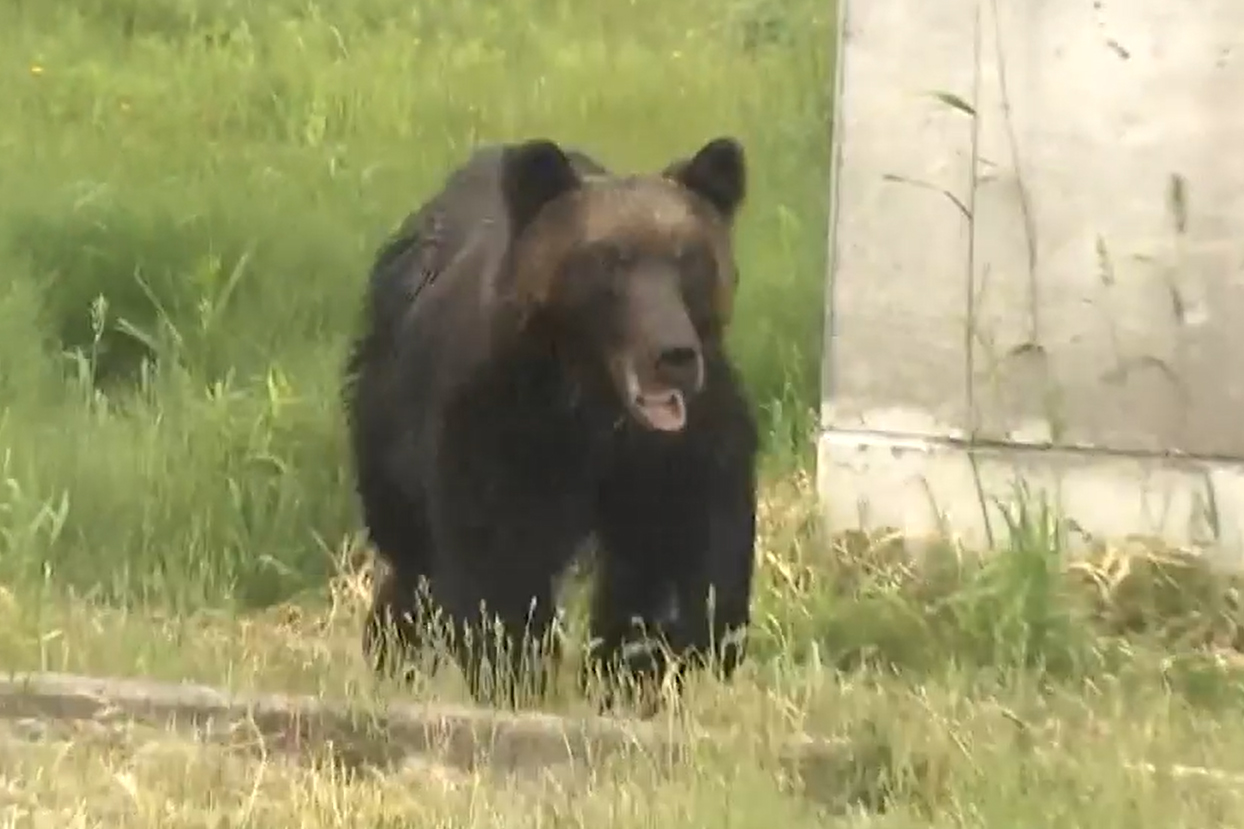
(714, 590)
(633, 601)
(500, 552)
(503, 637)
(678, 534)
(395, 632)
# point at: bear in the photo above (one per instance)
(542, 365)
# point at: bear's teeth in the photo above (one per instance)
(665, 411)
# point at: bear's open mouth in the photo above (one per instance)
(663, 409)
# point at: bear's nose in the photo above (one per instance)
(680, 367)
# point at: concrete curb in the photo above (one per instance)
(458, 735)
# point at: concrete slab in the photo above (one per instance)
(1035, 250)
(928, 489)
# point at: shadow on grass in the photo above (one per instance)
(164, 283)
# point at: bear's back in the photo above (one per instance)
(432, 284)
(463, 222)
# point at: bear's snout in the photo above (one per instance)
(680, 367)
(660, 368)
(658, 389)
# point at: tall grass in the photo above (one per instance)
(191, 194)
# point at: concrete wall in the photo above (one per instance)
(1055, 279)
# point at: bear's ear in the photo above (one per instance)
(717, 173)
(532, 175)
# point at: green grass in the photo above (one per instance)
(193, 191)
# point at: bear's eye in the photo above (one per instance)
(697, 270)
(694, 258)
(616, 257)
(696, 265)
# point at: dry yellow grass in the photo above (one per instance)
(944, 755)
(956, 743)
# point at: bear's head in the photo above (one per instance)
(633, 275)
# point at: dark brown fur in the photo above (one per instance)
(491, 427)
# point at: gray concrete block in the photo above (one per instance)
(1058, 271)
(885, 129)
(931, 489)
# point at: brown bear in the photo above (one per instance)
(543, 364)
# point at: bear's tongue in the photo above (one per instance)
(664, 410)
